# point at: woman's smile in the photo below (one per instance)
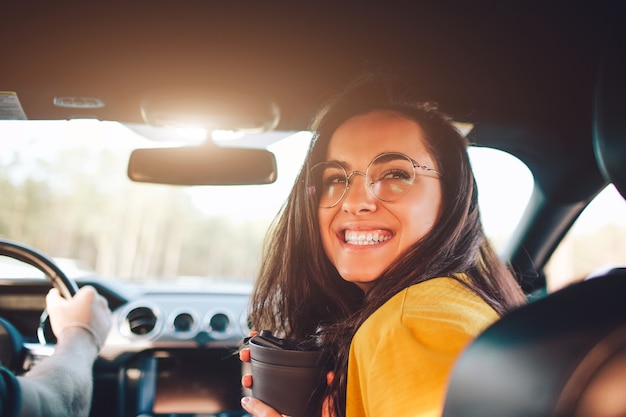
(366, 237)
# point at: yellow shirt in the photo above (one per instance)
(402, 355)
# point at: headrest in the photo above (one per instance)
(610, 113)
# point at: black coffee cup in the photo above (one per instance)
(286, 377)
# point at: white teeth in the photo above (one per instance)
(365, 238)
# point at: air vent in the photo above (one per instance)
(141, 321)
(244, 322)
(183, 323)
(219, 325)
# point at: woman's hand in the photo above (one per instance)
(327, 404)
(258, 408)
(253, 406)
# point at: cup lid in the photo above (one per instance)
(269, 349)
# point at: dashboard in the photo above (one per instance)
(172, 349)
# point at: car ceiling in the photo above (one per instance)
(523, 73)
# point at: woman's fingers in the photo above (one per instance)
(244, 355)
(330, 376)
(258, 408)
(246, 381)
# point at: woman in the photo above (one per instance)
(380, 255)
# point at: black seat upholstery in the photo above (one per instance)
(610, 114)
(549, 358)
(565, 354)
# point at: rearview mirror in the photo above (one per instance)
(202, 165)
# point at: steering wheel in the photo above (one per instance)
(66, 286)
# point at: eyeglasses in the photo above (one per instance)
(388, 177)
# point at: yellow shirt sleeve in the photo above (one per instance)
(402, 355)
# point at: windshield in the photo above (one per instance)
(65, 191)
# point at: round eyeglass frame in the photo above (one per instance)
(368, 182)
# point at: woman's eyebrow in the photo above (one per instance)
(344, 164)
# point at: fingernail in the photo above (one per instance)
(247, 381)
(244, 401)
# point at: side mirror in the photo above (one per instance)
(202, 165)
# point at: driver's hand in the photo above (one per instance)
(87, 310)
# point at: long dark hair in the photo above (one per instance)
(299, 293)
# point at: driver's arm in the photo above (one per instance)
(62, 384)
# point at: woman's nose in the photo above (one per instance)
(358, 198)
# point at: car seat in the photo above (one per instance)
(564, 354)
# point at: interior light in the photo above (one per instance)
(226, 135)
(196, 133)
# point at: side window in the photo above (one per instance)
(595, 242)
(504, 187)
